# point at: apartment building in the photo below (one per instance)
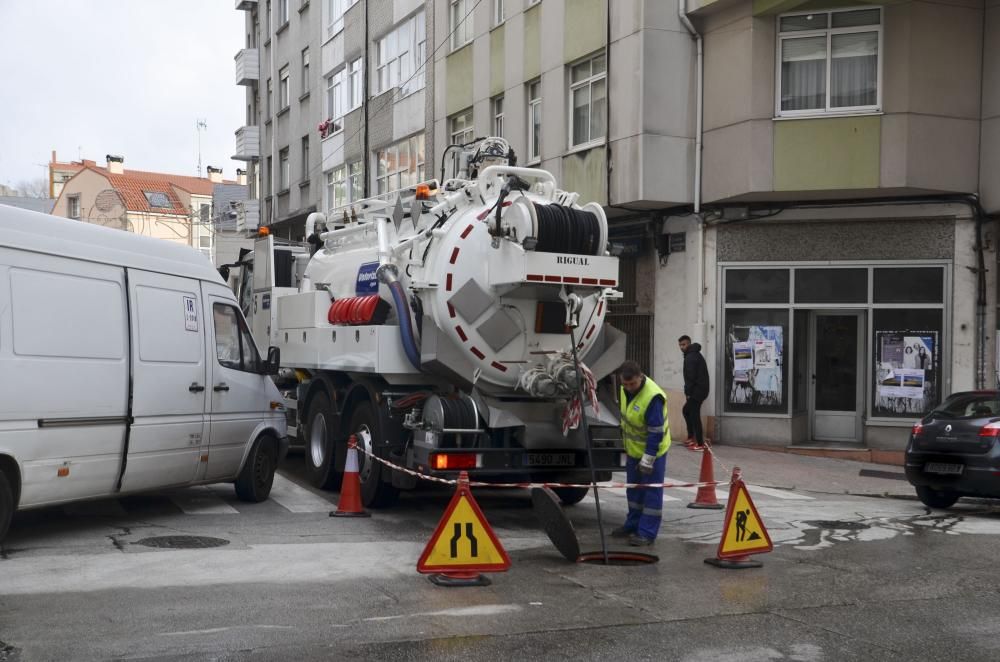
(832, 248)
(175, 208)
(336, 103)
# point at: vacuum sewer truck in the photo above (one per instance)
(437, 325)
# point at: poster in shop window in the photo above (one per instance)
(757, 365)
(905, 375)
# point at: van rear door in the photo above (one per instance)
(240, 396)
(169, 381)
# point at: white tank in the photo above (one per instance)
(500, 302)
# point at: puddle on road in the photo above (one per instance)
(821, 534)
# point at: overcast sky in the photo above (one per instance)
(131, 77)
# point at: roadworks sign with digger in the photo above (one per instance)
(744, 532)
(463, 541)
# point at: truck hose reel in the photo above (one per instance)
(567, 230)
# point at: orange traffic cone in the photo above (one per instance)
(350, 489)
(706, 493)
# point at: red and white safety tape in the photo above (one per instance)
(606, 485)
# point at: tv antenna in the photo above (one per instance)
(200, 124)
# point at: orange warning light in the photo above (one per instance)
(263, 232)
(62, 472)
(423, 192)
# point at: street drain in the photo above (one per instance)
(182, 542)
(837, 524)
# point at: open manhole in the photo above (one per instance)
(617, 558)
(837, 524)
(182, 542)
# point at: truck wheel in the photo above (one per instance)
(321, 422)
(375, 492)
(936, 498)
(257, 476)
(6, 505)
(570, 495)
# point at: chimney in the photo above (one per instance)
(241, 176)
(215, 175)
(53, 156)
(116, 164)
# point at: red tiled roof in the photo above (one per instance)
(134, 184)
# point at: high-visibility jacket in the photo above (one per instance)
(635, 432)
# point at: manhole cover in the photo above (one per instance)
(182, 542)
(837, 524)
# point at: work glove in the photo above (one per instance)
(646, 464)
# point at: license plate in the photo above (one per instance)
(551, 460)
(943, 468)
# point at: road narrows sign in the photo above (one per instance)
(463, 540)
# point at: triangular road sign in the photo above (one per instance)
(463, 540)
(744, 531)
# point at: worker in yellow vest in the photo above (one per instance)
(646, 436)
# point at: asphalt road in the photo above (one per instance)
(851, 578)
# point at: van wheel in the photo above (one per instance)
(6, 505)
(570, 496)
(375, 492)
(321, 422)
(257, 476)
(936, 498)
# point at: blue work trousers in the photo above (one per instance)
(645, 504)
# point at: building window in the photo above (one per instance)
(355, 187)
(588, 101)
(498, 12)
(282, 12)
(305, 160)
(283, 92)
(268, 183)
(534, 121)
(336, 189)
(335, 102)
(205, 213)
(305, 70)
(460, 128)
(284, 173)
(336, 10)
(74, 206)
(828, 62)
(498, 117)
(269, 98)
(355, 82)
(400, 165)
(158, 199)
(267, 21)
(400, 57)
(460, 22)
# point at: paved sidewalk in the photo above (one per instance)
(793, 472)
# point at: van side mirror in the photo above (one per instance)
(273, 361)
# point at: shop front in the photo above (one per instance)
(831, 352)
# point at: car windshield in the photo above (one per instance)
(968, 405)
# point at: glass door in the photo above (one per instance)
(837, 391)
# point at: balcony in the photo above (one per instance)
(247, 67)
(246, 5)
(247, 215)
(247, 143)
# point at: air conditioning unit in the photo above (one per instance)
(247, 215)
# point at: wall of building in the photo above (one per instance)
(926, 139)
(989, 179)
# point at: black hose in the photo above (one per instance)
(563, 229)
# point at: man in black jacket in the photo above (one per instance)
(695, 391)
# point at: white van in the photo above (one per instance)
(125, 365)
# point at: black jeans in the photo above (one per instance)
(692, 418)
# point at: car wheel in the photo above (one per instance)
(570, 496)
(936, 498)
(257, 476)
(375, 492)
(321, 422)
(6, 505)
